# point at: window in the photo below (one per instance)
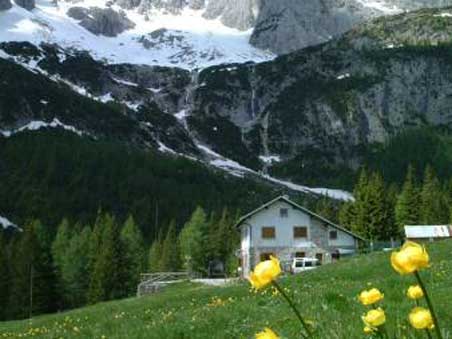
(300, 232)
(268, 232)
(300, 254)
(265, 256)
(283, 212)
(333, 235)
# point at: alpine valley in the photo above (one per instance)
(250, 96)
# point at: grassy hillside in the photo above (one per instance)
(327, 296)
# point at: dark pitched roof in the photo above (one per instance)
(301, 208)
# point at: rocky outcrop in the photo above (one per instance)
(196, 4)
(285, 26)
(27, 4)
(128, 4)
(101, 21)
(240, 14)
(5, 5)
(333, 99)
(171, 6)
(323, 104)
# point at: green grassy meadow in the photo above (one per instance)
(327, 296)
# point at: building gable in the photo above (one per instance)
(271, 211)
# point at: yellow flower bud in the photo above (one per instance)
(421, 318)
(415, 292)
(370, 297)
(368, 330)
(265, 272)
(374, 318)
(412, 257)
(266, 334)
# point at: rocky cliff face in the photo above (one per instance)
(27, 4)
(101, 21)
(325, 103)
(287, 25)
(240, 14)
(5, 5)
(318, 107)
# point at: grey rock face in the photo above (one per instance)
(196, 4)
(284, 26)
(128, 4)
(287, 25)
(27, 4)
(5, 5)
(171, 6)
(332, 99)
(240, 14)
(101, 21)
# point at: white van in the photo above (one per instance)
(303, 264)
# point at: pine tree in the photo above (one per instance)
(347, 214)
(408, 203)
(433, 209)
(95, 241)
(47, 296)
(59, 249)
(61, 243)
(155, 253)
(109, 276)
(373, 208)
(133, 242)
(4, 278)
(31, 276)
(359, 211)
(170, 257)
(75, 268)
(194, 242)
(370, 215)
(325, 208)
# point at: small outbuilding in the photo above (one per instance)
(428, 232)
(287, 230)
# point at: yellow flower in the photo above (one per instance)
(415, 292)
(267, 334)
(412, 257)
(368, 330)
(370, 297)
(265, 272)
(374, 318)
(421, 318)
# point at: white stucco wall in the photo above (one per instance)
(284, 244)
(283, 226)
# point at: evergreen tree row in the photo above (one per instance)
(42, 271)
(381, 211)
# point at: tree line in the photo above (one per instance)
(51, 175)
(43, 272)
(380, 210)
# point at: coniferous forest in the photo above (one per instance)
(95, 214)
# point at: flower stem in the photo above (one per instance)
(429, 335)
(430, 305)
(294, 308)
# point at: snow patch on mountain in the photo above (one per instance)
(235, 169)
(39, 124)
(6, 223)
(186, 39)
(380, 5)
